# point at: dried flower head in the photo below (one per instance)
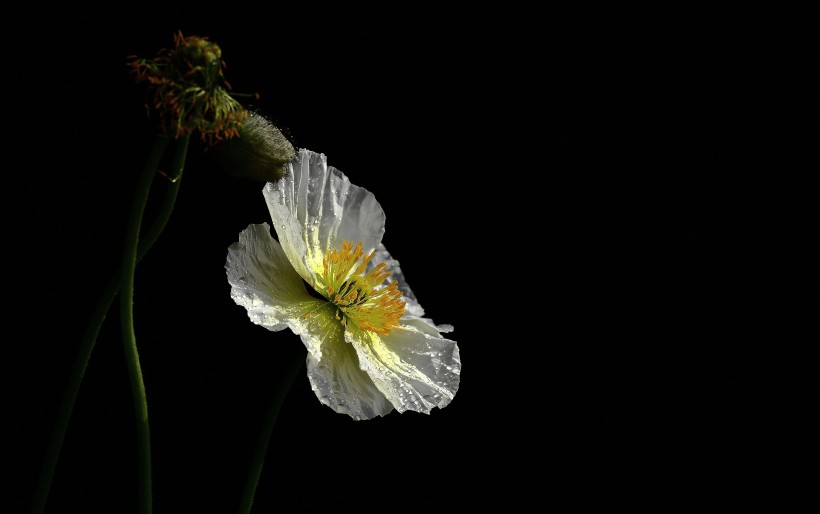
(188, 89)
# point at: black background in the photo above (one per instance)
(617, 224)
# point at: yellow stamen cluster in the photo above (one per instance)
(344, 282)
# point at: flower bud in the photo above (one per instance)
(260, 153)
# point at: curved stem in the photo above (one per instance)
(129, 340)
(156, 228)
(264, 437)
(95, 323)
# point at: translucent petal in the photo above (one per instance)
(315, 207)
(427, 326)
(412, 307)
(263, 281)
(412, 366)
(333, 368)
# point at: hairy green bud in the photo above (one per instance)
(260, 153)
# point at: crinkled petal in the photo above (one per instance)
(427, 326)
(315, 207)
(263, 281)
(413, 366)
(333, 368)
(412, 306)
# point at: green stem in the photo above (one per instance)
(264, 437)
(156, 228)
(129, 340)
(95, 323)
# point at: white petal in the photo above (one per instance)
(412, 308)
(315, 207)
(333, 368)
(427, 326)
(263, 281)
(412, 366)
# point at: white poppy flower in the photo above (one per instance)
(369, 348)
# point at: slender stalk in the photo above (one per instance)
(156, 228)
(264, 437)
(98, 317)
(129, 340)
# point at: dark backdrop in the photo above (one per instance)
(618, 227)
